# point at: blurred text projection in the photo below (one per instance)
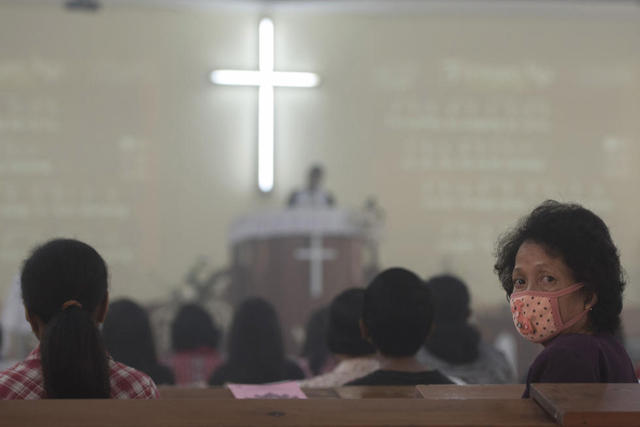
(266, 79)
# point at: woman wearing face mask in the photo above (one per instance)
(563, 278)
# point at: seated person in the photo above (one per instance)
(314, 196)
(127, 335)
(454, 346)
(64, 290)
(356, 356)
(256, 350)
(194, 338)
(396, 318)
(315, 357)
(562, 274)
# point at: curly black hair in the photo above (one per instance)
(582, 240)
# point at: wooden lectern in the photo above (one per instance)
(299, 259)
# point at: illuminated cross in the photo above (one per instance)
(266, 79)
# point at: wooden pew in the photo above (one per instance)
(488, 391)
(590, 404)
(321, 393)
(377, 392)
(171, 392)
(313, 412)
(350, 392)
(506, 391)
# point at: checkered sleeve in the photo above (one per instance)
(24, 380)
(129, 383)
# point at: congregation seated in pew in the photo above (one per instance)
(396, 317)
(256, 350)
(64, 290)
(559, 297)
(356, 357)
(129, 340)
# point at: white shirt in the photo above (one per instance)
(346, 371)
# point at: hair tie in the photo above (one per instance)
(70, 303)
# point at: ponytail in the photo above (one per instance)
(74, 359)
(64, 286)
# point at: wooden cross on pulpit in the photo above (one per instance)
(316, 254)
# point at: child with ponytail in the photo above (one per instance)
(64, 290)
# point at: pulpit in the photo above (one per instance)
(299, 259)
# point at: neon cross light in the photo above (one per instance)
(266, 79)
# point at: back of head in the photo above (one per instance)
(314, 348)
(127, 335)
(256, 350)
(64, 284)
(344, 336)
(451, 298)
(452, 338)
(397, 312)
(193, 328)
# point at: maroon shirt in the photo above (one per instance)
(581, 358)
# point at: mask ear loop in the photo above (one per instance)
(575, 319)
(556, 310)
(560, 293)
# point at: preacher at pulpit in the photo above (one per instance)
(313, 196)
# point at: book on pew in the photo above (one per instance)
(282, 390)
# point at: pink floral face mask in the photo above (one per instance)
(536, 314)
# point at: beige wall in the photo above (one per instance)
(458, 122)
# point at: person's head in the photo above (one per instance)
(344, 337)
(452, 338)
(256, 349)
(64, 290)
(193, 328)
(316, 174)
(555, 247)
(127, 335)
(451, 298)
(314, 348)
(397, 312)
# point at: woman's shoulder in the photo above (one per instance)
(569, 348)
(24, 379)
(129, 383)
(582, 358)
(582, 344)
(570, 354)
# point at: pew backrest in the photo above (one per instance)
(266, 413)
(590, 404)
(471, 391)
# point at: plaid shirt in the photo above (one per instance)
(25, 381)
